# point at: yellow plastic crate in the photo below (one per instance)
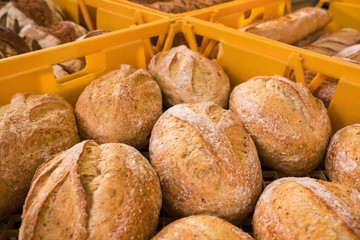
(242, 56)
(105, 14)
(172, 15)
(346, 13)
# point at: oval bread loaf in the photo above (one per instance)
(32, 128)
(92, 191)
(306, 208)
(291, 27)
(342, 160)
(121, 106)
(201, 227)
(206, 162)
(289, 126)
(185, 76)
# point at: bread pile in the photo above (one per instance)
(30, 25)
(178, 6)
(204, 160)
(307, 28)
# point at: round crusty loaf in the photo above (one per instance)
(306, 208)
(185, 76)
(289, 126)
(121, 106)
(32, 128)
(92, 191)
(342, 161)
(206, 162)
(201, 227)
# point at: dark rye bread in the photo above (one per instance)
(32, 128)
(306, 208)
(290, 127)
(206, 162)
(201, 227)
(92, 191)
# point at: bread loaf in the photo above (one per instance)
(206, 162)
(39, 37)
(305, 208)
(333, 42)
(11, 44)
(185, 76)
(292, 27)
(342, 160)
(121, 106)
(351, 54)
(92, 191)
(18, 13)
(201, 227)
(32, 128)
(290, 127)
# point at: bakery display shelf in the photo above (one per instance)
(9, 229)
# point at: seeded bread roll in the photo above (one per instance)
(306, 208)
(206, 162)
(201, 227)
(289, 126)
(185, 76)
(92, 191)
(121, 106)
(292, 27)
(32, 128)
(342, 160)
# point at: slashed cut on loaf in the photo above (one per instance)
(290, 127)
(91, 191)
(185, 76)
(201, 227)
(32, 128)
(306, 208)
(120, 106)
(206, 162)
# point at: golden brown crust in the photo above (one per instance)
(290, 127)
(351, 53)
(305, 208)
(342, 160)
(292, 27)
(33, 128)
(93, 192)
(185, 76)
(333, 42)
(121, 106)
(201, 227)
(206, 162)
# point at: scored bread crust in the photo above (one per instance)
(306, 208)
(206, 162)
(91, 191)
(32, 128)
(289, 126)
(342, 160)
(120, 106)
(185, 76)
(291, 27)
(201, 227)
